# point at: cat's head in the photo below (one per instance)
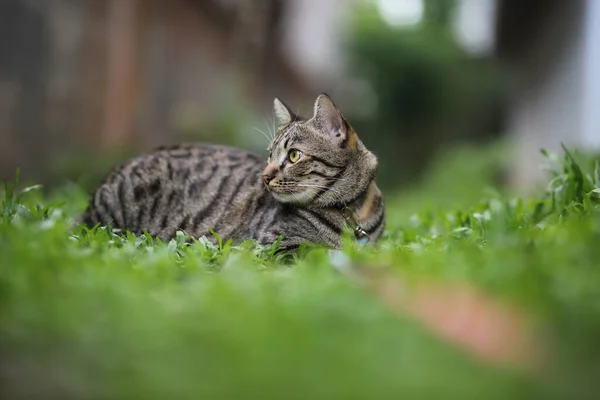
(318, 161)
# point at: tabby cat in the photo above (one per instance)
(319, 178)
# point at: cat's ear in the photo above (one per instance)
(330, 119)
(283, 114)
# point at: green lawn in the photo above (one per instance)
(96, 314)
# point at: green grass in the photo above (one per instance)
(98, 314)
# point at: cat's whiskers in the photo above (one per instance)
(264, 134)
(330, 178)
(291, 185)
(318, 187)
(339, 179)
(272, 131)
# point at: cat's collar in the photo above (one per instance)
(361, 236)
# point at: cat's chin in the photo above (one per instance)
(297, 198)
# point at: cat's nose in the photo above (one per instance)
(269, 173)
(268, 178)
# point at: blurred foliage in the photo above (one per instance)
(428, 91)
(84, 167)
(482, 169)
(229, 122)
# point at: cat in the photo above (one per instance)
(318, 179)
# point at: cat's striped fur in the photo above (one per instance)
(318, 173)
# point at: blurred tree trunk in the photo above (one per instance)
(121, 77)
(93, 61)
(23, 71)
(257, 41)
(250, 41)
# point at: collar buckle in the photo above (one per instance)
(361, 236)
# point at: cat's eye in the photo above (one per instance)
(294, 155)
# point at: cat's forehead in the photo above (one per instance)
(296, 133)
(285, 135)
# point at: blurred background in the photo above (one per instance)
(86, 83)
